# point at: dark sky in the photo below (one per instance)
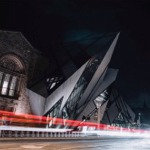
(46, 23)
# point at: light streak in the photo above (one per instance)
(102, 130)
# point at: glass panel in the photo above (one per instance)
(53, 84)
(54, 112)
(5, 84)
(12, 86)
(65, 114)
(82, 83)
(51, 114)
(11, 92)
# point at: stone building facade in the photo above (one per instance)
(17, 62)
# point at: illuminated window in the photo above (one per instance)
(52, 85)
(12, 86)
(11, 70)
(53, 82)
(5, 84)
(8, 84)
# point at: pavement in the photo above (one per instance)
(74, 144)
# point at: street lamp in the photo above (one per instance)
(98, 102)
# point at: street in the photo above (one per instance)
(76, 144)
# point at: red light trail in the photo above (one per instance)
(26, 118)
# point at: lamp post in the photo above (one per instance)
(98, 102)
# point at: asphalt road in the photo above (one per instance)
(75, 144)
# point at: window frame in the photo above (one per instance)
(12, 74)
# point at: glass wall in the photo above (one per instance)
(53, 113)
(72, 102)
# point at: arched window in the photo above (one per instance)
(11, 70)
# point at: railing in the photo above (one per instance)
(28, 132)
(22, 132)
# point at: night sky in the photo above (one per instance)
(46, 23)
